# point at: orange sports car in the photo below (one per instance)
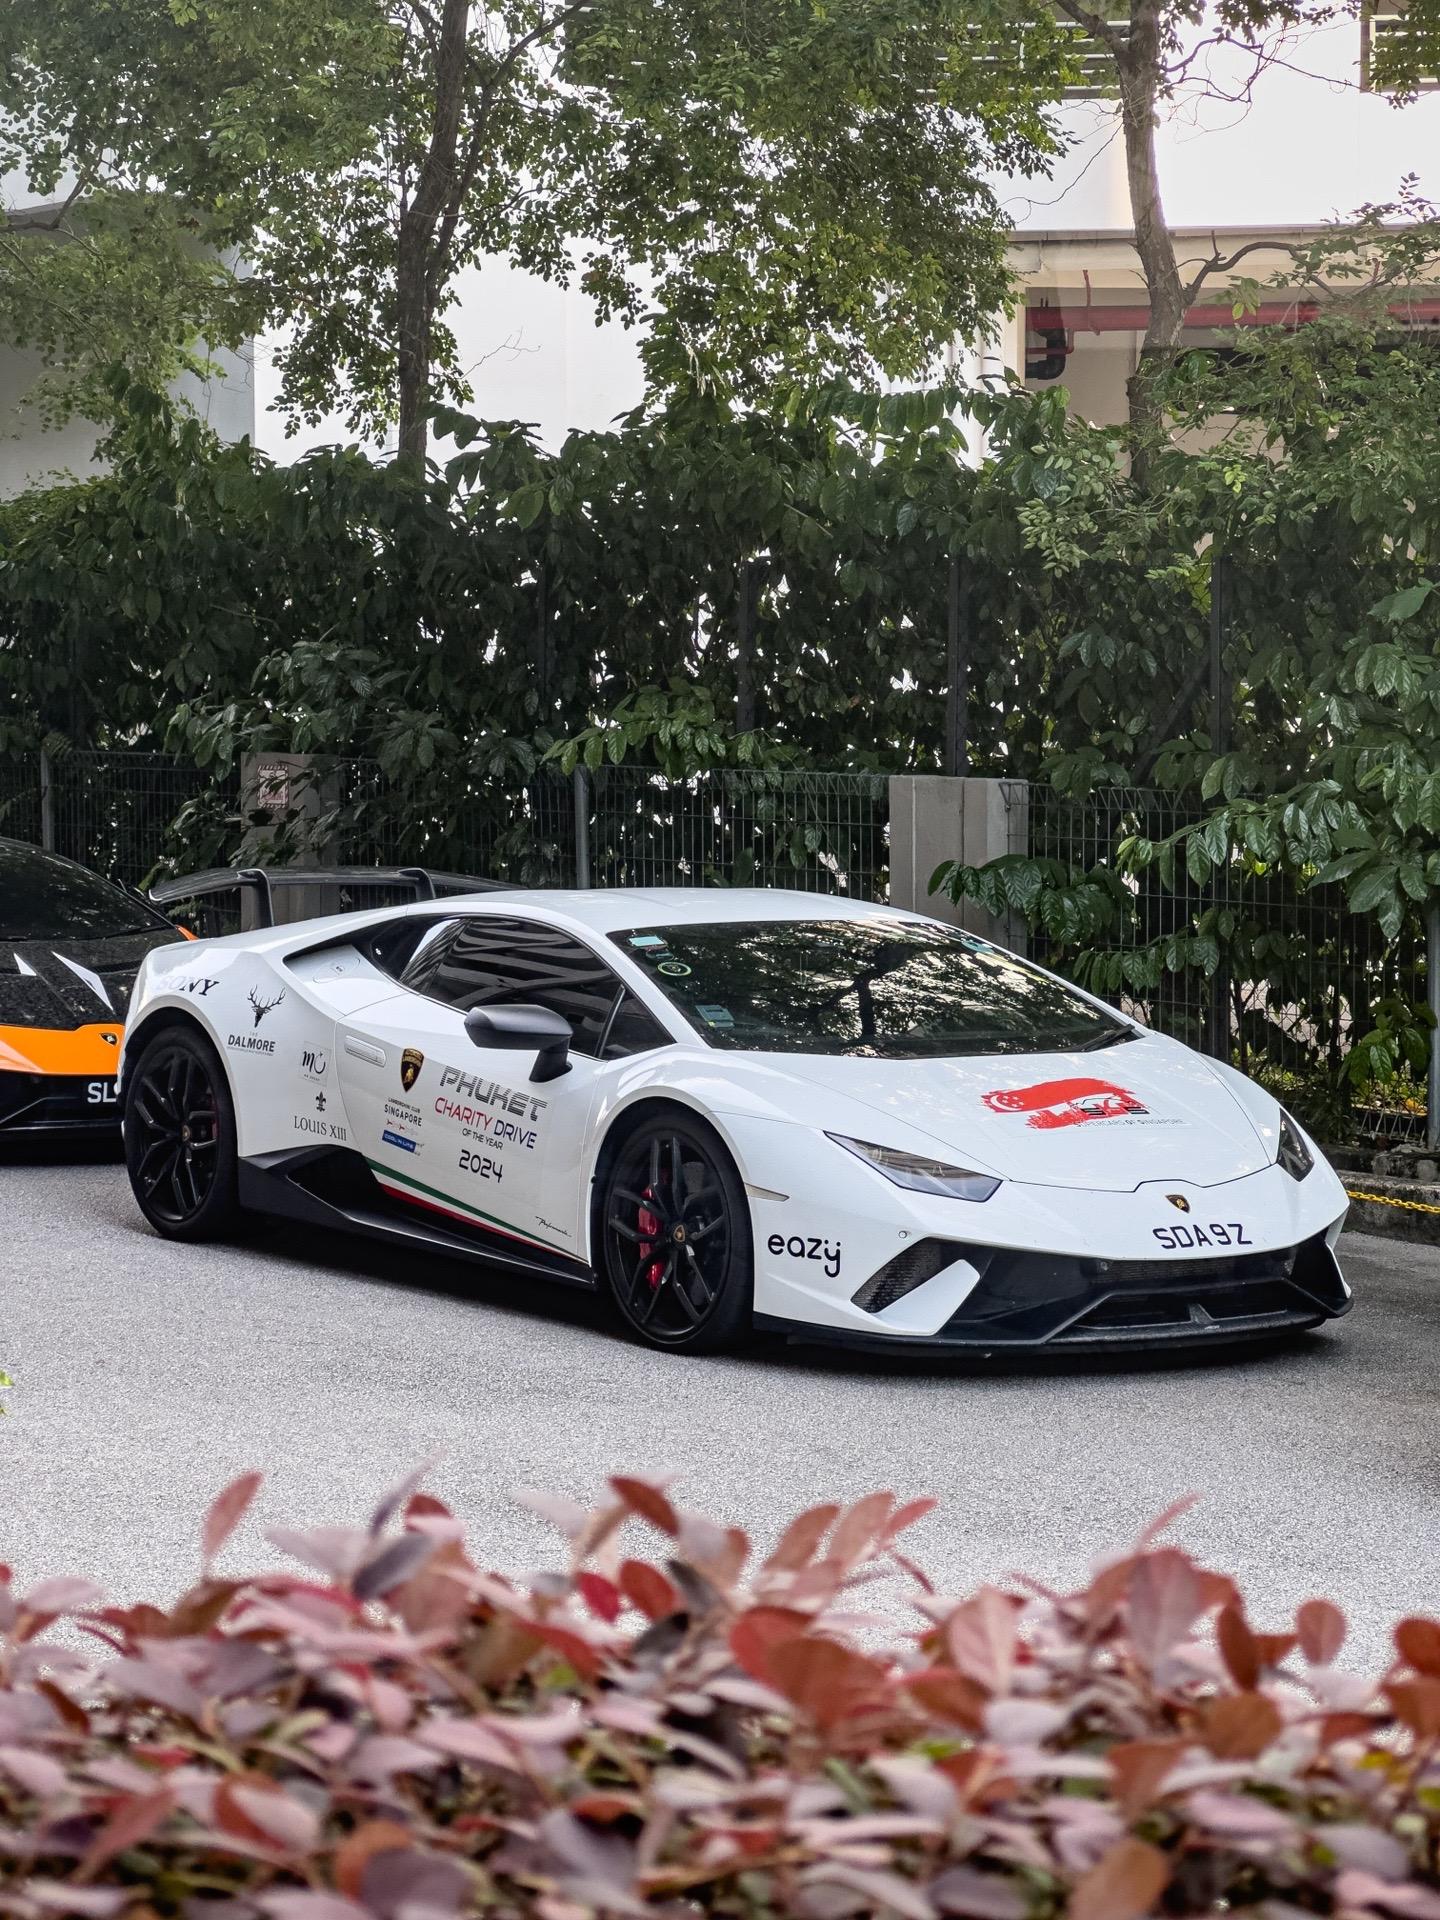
(70, 946)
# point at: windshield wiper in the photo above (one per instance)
(1104, 1040)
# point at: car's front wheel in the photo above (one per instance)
(674, 1235)
(180, 1137)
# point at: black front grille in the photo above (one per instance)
(1034, 1298)
(1193, 1307)
(910, 1269)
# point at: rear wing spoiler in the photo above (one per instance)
(260, 884)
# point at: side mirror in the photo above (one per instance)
(525, 1029)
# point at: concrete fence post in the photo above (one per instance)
(933, 818)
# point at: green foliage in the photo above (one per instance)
(780, 192)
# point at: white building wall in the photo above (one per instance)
(32, 454)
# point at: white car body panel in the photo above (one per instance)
(1141, 1151)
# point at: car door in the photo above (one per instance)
(461, 1129)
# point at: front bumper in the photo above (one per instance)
(38, 1103)
(1036, 1300)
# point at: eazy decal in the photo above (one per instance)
(797, 1247)
(198, 988)
(261, 1007)
(1216, 1233)
(1065, 1103)
(411, 1061)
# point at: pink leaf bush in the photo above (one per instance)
(393, 1733)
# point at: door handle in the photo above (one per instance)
(362, 1050)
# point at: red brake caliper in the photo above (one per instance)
(649, 1226)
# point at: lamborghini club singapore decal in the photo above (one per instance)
(1072, 1103)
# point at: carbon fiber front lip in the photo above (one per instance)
(1182, 1305)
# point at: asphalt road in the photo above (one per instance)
(149, 1374)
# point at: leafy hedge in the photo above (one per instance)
(672, 1727)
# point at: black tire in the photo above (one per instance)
(179, 1124)
(673, 1235)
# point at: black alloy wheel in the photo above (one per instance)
(180, 1137)
(675, 1235)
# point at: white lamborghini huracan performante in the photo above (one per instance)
(730, 1109)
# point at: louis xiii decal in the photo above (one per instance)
(411, 1061)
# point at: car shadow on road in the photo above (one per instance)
(490, 1287)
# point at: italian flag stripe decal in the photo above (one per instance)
(418, 1194)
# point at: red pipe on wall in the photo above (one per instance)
(1271, 313)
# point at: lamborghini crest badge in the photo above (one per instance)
(411, 1061)
(1175, 1199)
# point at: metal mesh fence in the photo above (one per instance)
(20, 797)
(132, 816)
(1299, 977)
(137, 816)
(821, 832)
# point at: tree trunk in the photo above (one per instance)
(416, 277)
(1140, 65)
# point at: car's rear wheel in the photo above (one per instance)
(180, 1137)
(674, 1235)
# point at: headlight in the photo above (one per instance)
(920, 1174)
(1294, 1156)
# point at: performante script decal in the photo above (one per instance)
(1065, 1103)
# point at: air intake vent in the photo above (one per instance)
(909, 1269)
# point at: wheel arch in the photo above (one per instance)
(616, 1125)
(138, 1037)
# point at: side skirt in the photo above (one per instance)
(334, 1188)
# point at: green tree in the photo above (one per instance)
(788, 189)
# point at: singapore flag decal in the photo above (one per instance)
(1065, 1103)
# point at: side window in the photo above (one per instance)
(633, 1030)
(490, 960)
(393, 947)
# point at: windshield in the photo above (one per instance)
(42, 898)
(884, 989)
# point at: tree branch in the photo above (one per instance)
(50, 220)
(1217, 264)
(1095, 24)
(474, 152)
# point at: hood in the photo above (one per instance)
(1147, 1109)
(60, 984)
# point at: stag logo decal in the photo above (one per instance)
(1066, 1103)
(253, 1042)
(411, 1061)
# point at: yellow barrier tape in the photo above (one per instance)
(1389, 1200)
